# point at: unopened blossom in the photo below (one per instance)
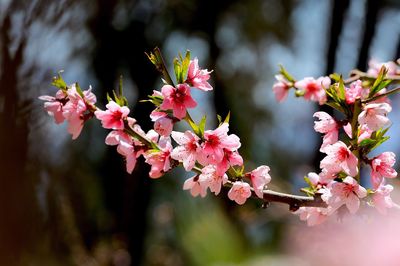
(374, 115)
(78, 109)
(326, 125)
(239, 192)
(375, 67)
(177, 99)
(314, 90)
(188, 148)
(259, 179)
(339, 158)
(114, 116)
(198, 77)
(319, 180)
(313, 215)
(382, 167)
(211, 179)
(163, 124)
(215, 141)
(160, 161)
(346, 193)
(196, 188)
(281, 88)
(381, 198)
(54, 105)
(231, 158)
(354, 92)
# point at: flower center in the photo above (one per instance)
(312, 87)
(179, 96)
(343, 154)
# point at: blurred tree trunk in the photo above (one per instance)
(20, 216)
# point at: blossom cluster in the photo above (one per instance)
(211, 154)
(365, 107)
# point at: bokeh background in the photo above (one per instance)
(65, 202)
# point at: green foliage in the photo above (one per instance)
(380, 82)
(286, 74)
(181, 66)
(377, 138)
(119, 98)
(59, 82)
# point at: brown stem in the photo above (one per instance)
(357, 74)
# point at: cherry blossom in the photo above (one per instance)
(231, 158)
(54, 105)
(163, 125)
(375, 67)
(328, 126)
(188, 150)
(178, 99)
(281, 88)
(78, 109)
(381, 198)
(314, 89)
(374, 115)
(346, 193)
(259, 179)
(354, 92)
(196, 188)
(339, 158)
(319, 181)
(113, 117)
(198, 77)
(215, 141)
(210, 178)
(160, 161)
(382, 167)
(239, 192)
(313, 216)
(364, 132)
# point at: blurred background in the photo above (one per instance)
(65, 202)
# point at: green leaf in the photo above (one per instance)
(219, 119)
(202, 125)
(59, 82)
(341, 91)
(193, 125)
(377, 86)
(308, 181)
(286, 74)
(366, 142)
(228, 117)
(185, 65)
(178, 70)
(335, 76)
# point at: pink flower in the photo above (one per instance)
(188, 149)
(346, 193)
(363, 132)
(114, 116)
(313, 215)
(196, 188)
(319, 181)
(163, 125)
(54, 105)
(382, 167)
(281, 88)
(178, 99)
(78, 109)
(239, 192)
(375, 67)
(374, 115)
(328, 126)
(210, 178)
(198, 77)
(354, 92)
(130, 154)
(259, 179)
(314, 89)
(215, 141)
(339, 158)
(160, 161)
(230, 158)
(381, 198)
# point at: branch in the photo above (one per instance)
(357, 74)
